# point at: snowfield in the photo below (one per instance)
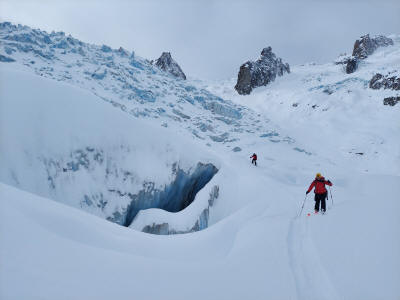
(260, 251)
(87, 173)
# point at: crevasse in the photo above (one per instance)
(175, 197)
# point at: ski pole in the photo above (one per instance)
(330, 192)
(304, 201)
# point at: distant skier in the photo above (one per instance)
(254, 159)
(320, 192)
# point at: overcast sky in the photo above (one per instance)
(210, 39)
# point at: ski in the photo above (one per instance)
(315, 214)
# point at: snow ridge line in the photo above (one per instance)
(311, 280)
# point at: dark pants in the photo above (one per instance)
(320, 198)
(254, 161)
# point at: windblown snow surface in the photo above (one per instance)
(74, 152)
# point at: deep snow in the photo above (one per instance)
(261, 250)
(255, 246)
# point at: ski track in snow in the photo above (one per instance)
(312, 281)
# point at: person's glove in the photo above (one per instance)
(329, 181)
(307, 192)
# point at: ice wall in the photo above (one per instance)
(175, 197)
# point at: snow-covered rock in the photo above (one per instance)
(167, 64)
(364, 47)
(392, 101)
(387, 82)
(351, 65)
(261, 72)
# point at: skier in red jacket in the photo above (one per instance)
(320, 192)
(254, 159)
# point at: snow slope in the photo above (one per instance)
(261, 251)
(61, 141)
(69, 146)
(334, 113)
(111, 164)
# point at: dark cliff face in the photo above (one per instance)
(257, 73)
(364, 47)
(167, 64)
(352, 65)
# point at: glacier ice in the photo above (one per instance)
(175, 197)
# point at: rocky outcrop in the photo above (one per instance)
(387, 82)
(351, 65)
(364, 47)
(167, 64)
(392, 101)
(253, 74)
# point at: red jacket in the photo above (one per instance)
(254, 156)
(319, 184)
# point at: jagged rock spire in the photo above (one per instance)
(167, 64)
